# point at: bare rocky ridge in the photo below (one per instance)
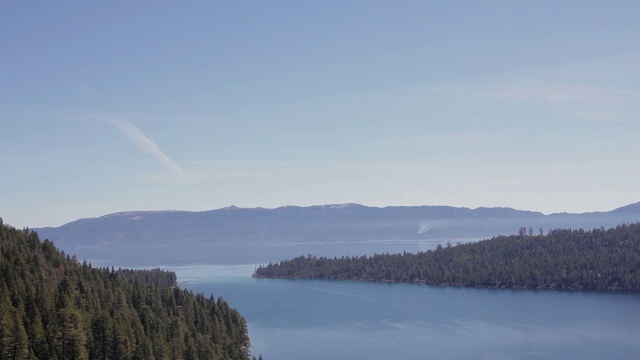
(145, 232)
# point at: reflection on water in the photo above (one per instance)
(313, 319)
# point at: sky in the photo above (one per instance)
(188, 105)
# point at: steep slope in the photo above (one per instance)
(53, 307)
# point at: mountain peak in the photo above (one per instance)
(628, 208)
(340, 206)
(232, 207)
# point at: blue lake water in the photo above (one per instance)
(315, 319)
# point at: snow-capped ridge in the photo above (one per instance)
(137, 215)
(340, 206)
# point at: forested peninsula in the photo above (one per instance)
(53, 307)
(563, 259)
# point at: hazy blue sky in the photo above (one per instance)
(132, 105)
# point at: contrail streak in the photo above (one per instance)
(146, 145)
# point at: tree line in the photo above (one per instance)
(53, 307)
(598, 259)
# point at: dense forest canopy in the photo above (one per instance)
(53, 307)
(598, 259)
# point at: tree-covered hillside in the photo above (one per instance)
(564, 259)
(53, 307)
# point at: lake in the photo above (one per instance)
(316, 319)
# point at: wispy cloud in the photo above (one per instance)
(608, 84)
(551, 93)
(562, 93)
(146, 145)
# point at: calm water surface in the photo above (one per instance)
(314, 319)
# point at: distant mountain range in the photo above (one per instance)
(138, 231)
